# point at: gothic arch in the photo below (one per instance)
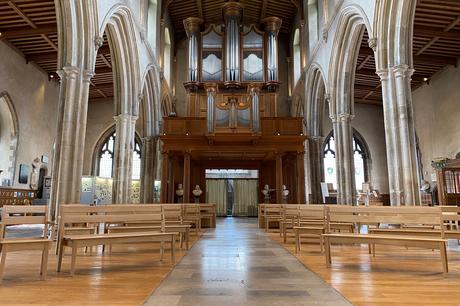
(316, 92)
(351, 25)
(9, 136)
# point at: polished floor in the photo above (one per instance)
(238, 264)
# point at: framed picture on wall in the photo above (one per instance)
(24, 173)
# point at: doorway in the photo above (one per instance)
(235, 191)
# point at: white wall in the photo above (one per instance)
(35, 100)
(437, 113)
(368, 122)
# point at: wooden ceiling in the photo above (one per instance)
(29, 26)
(211, 12)
(436, 44)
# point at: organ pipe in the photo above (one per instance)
(192, 28)
(233, 13)
(272, 27)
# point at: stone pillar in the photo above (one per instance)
(400, 135)
(186, 180)
(303, 46)
(279, 178)
(300, 178)
(123, 156)
(164, 178)
(148, 156)
(70, 139)
(343, 135)
(316, 163)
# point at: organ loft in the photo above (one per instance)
(232, 122)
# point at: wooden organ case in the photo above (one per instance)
(231, 105)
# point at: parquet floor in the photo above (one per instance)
(396, 276)
(125, 277)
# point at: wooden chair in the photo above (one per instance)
(289, 217)
(22, 215)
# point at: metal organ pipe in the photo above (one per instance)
(192, 27)
(272, 27)
(232, 12)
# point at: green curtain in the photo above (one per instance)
(245, 198)
(216, 192)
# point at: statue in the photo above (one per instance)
(285, 193)
(35, 174)
(179, 193)
(197, 193)
(266, 193)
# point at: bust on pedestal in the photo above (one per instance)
(197, 193)
(285, 194)
(266, 193)
(179, 193)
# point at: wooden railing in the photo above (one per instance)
(195, 126)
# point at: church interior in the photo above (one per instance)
(232, 152)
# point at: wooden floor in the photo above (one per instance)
(396, 276)
(125, 277)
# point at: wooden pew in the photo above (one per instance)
(386, 215)
(110, 214)
(19, 215)
(311, 222)
(191, 215)
(272, 213)
(289, 217)
(208, 212)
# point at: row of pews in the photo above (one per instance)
(85, 226)
(408, 226)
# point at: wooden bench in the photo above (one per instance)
(311, 222)
(272, 213)
(386, 215)
(25, 215)
(289, 217)
(208, 212)
(191, 214)
(109, 214)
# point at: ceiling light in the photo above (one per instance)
(425, 79)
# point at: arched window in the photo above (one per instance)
(152, 24)
(360, 155)
(297, 66)
(105, 156)
(313, 22)
(167, 57)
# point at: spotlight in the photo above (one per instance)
(425, 79)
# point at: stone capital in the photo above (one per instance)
(98, 42)
(124, 118)
(343, 117)
(372, 42)
(402, 71)
(384, 74)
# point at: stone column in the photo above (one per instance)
(343, 135)
(279, 178)
(164, 178)
(70, 139)
(123, 157)
(400, 135)
(300, 178)
(148, 156)
(186, 180)
(316, 168)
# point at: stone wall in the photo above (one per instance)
(437, 111)
(35, 100)
(368, 122)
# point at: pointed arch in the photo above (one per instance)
(9, 136)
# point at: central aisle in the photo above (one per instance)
(237, 264)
